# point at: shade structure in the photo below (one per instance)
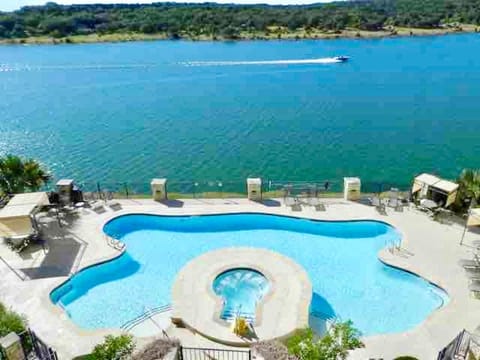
(427, 184)
(16, 216)
(474, 217)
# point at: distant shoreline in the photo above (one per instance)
(274, 34)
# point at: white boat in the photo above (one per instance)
(342, 58)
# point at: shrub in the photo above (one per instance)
(114, 348)
(341, 338)
(157, 349)
(10, 321)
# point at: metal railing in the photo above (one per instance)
(34, 348)
(114, 243)
(146, 315)
(221, 188)
(189, 353)
(232, 314)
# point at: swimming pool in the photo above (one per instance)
(340, 258)
(241, 290)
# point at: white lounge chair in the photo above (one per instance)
(475, 263)
(293, 203)
(316, 203)
(98, 206)
(379, 205)
(474, 286)
(114, 204)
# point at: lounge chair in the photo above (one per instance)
(475, 263)
(114, 204)
(379, 206)
(315, 202)
(474, 286)
(293, 203)
(474, 274)
(98, 207)
(393, 202)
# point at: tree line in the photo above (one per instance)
(229, 21)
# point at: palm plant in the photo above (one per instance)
(469, 187)
(18, 175)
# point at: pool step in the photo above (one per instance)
(147, 314)
(231, 314)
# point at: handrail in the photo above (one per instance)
(232, 314)
(146, 315)
(333, 319)
(114, 243)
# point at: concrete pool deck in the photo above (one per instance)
(432, 251)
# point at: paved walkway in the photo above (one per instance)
(27, 279)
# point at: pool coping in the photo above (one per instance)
(382, 256)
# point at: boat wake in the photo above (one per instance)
(327, 60)
(23, 67)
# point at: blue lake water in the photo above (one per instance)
(340, 258)
(133, 111)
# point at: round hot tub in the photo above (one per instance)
(241, 290)
(267, 287)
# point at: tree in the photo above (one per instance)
(341, 338)
(468, 189)
(18, 175)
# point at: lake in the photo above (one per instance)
(201, 111)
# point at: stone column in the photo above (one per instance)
(254, 189)
(159, 189)
(12, 347)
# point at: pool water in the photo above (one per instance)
(348, 280)
(241, 290)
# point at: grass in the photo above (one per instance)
(272, 33)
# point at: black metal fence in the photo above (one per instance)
(188, 353)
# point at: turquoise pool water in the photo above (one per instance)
(340, 258)
(241, 290)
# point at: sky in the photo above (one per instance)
(10, 5)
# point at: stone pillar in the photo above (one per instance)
(351, 188)
(12, 347)
(159, 189)
(254, 189)
(64, 190)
